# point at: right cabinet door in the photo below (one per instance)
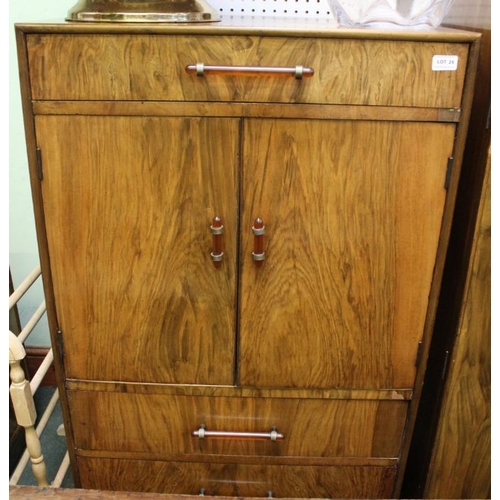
(352, 213)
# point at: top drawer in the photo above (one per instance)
(152, 67)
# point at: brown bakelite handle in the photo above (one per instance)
(217, 229)
(258, 253)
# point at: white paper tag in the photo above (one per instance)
(444, 63)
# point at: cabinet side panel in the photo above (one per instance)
(461, 467)
(128, 203)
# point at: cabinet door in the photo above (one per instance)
(128, 203)
(352, 213)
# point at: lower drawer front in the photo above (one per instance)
(162, 425)
(242, 480)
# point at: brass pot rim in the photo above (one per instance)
(166, 11)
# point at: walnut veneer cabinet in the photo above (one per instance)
(282, 353)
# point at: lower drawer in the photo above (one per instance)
(240, 480)
(162, 425)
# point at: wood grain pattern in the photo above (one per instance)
(246, 459)
(238, 391)
(352, 228)
(164, 425)
(461, 461)
(245, 109)
(35, 493)
(238, 480)
(128, 205)
(250, 25)
(19, 492)
(155, 340)
(152, 67)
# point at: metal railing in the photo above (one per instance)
(22, 392)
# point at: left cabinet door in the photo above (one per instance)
(128, 202)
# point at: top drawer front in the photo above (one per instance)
(152, 67)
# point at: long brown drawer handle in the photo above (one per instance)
(217, 229)
(201, 69)
(202, 433)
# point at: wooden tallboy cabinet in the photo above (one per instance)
(300, 329)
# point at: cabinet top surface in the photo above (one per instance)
(248, 25)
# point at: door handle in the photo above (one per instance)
(217, 229)
(258, 254)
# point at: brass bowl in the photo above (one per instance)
(165, 11)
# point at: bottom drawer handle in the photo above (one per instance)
(273, 435)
